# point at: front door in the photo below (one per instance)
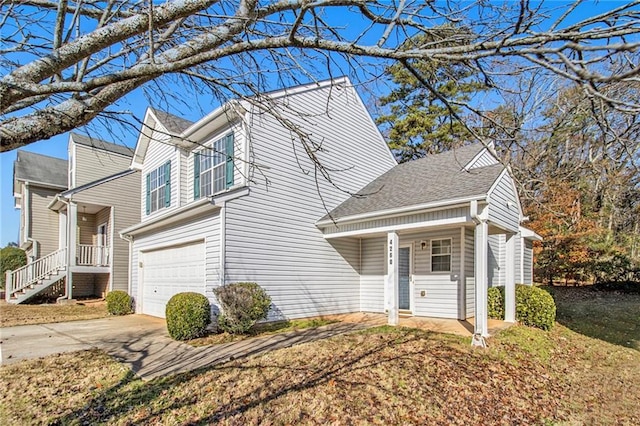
(102, 252)
(404, 286)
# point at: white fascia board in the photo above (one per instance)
(450, 222)
(401, 211)
(148, 124)
(529, 234)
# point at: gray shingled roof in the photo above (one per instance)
(431, 179)
(33, 167)
(100, 144)
(172, 123)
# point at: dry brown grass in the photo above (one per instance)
(12, 315)
(380, 376)
(383, 376)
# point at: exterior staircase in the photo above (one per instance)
(35, 277)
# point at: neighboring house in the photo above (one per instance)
(37, 179)
(235, 197)
(79, 251)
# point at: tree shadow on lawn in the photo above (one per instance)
(610, 316)
(142, 402)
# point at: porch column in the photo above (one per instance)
(510, 279)
(392, 278)
(72, 220)
(481, 277)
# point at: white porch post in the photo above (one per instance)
(72, 218)
(481, 277)
(510, 279)
(392, 278)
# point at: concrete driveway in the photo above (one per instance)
(143, 344)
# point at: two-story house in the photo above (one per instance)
(73, 233)
(298, 191)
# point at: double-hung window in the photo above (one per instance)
(159, 188)
(213, 168)
(441, 255)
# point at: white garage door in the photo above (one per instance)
(169, 271)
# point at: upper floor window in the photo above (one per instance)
(441, 255)
(213, 168)
(159, 188)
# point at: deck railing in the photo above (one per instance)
(35, 271)
(88, 255)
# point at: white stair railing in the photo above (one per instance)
(35, 271)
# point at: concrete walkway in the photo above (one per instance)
(143, 344)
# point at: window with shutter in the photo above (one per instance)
(213, 168)
(159, 188)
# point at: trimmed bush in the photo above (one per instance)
(243, 304)
(188, 315)
(535, 307)
(11, 258)
(495, 303)
(119, 303)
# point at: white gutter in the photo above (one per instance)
(383, 214)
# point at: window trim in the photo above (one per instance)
(227, 140)
(450, 254)
(166, 187)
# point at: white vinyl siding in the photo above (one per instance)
(469, 256)
(503, 208)
(372, 274)
(455, 215)
(528, 262)
(271, 234)
(497, 258)
(483, 160)
(441, 289)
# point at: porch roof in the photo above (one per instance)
(432, 180)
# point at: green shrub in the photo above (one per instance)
(495, 297)
(188, 315)
(535, 307)
(243, 304)
(11, 258)
(119, 303)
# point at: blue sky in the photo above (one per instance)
(136, 103)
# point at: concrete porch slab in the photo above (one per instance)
(438, 325)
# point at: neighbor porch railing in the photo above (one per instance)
(87, 255)
(35, 271)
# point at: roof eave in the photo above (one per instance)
(401, 211)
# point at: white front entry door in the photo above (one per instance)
(169, 271)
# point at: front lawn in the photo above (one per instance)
(606, 315)
(12, 315)
(379, 376)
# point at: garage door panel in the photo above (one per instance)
(170, 271)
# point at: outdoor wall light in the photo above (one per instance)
(423, 245)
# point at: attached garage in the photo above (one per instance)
(168, 271)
